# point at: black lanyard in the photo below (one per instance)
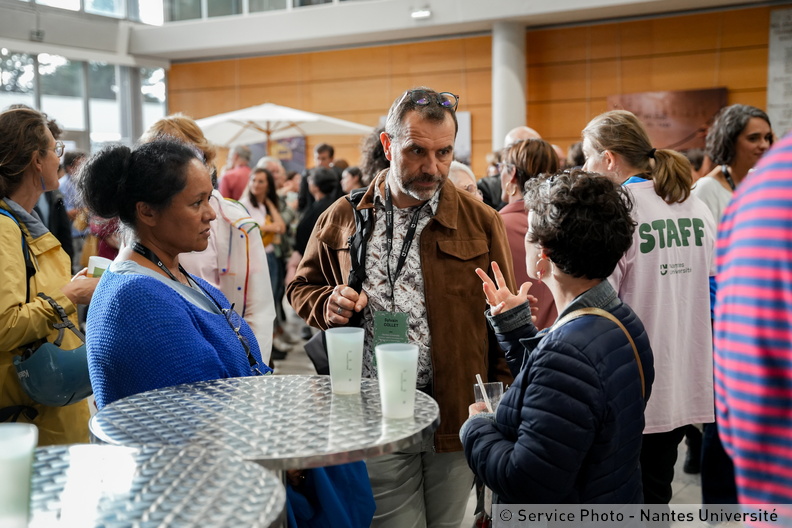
(406, 244)
(139, 248)
(725, 172)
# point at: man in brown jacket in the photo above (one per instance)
(427, 239)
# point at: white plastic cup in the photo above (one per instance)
(17, 445)
(97, 265)
(397, 370)
(494, 393)
(345, 356)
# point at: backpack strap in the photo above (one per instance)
(30, 269)
(364, 226)
(607, 315)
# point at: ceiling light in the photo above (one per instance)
(424, 12)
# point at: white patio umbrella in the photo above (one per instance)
(269, 121)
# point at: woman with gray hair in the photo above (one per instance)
(740, 135)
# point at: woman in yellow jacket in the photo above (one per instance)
(29, 159)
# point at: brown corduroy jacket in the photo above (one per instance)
(464, 235)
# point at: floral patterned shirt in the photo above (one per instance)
(408, 295)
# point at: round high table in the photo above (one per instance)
(100, 486)
(281, 422)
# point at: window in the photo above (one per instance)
(71, 5)
(183, 10)
(61, 83)
(152, 86)
(103, 103)
(256, 6)
(150, 12)
(112, 8)
(303, 3)
(217, 8)
(17, 71)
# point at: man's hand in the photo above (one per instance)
(342, 303)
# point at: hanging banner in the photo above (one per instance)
(676, 120)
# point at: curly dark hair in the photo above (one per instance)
(726, 128)
(373, 158)
(582, 220)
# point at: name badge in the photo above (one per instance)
(390, 327)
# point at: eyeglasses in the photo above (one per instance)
(235, 322)
(424, 98)
(59, 148)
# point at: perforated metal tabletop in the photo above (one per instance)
(102, 486)
(281, 422)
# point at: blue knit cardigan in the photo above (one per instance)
(143, 335)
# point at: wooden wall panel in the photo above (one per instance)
(204, 103)
(685, 34)
(743, 68)
(571, 72)
(213, 74)
(605, 78)
(352, 63)
(635, 38)
(271, 70)
(477, 53)
(548, 82)
(745, 27)
(428, 57)
(285, 95)
(478, 89)
(556, 45)
(682, 72)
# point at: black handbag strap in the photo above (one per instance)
(64, 324)
(14, 412)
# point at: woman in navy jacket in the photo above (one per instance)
(569, 429)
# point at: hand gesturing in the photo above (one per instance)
(499, 297)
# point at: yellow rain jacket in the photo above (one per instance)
(24, 321)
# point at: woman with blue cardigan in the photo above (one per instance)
(153, 325)
(569, 429)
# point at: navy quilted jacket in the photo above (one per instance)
(569, 429)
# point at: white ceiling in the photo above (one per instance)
(355, 23)
(79, 36)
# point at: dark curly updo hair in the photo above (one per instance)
(114, 180)
(582, 220)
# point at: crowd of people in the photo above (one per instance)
(587, 282)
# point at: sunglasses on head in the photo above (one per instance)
(424, 98)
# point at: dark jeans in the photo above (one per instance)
(717, 470)
(658, 456)
(277, 274)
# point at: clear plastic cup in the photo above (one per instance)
(494, 393)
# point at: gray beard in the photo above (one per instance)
(413, 193)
